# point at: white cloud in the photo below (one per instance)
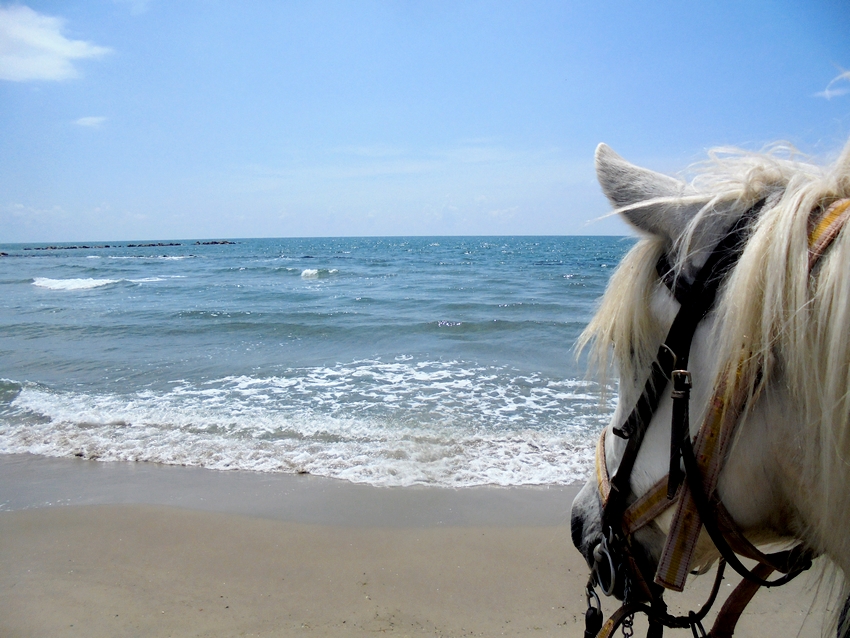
(829, 92)
(92, 121)
(32, 47)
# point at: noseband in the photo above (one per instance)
(617, 568)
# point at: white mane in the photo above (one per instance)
(799, 325)
(779, 328)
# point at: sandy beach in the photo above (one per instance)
(100, 549)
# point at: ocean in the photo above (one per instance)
(445, 361)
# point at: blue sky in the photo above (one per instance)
(146, 119)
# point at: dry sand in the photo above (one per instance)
(302, 556)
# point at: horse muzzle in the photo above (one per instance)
(607, 556)
(606, 564)
(586, 521)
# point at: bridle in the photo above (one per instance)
(617, 568)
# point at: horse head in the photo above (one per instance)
(767, 354)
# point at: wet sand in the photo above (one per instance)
(95, 549)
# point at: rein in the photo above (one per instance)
(616, 567)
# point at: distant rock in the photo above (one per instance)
(87, 247)
(157, 245)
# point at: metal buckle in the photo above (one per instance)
(682, 384)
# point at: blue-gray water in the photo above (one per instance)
(390, 361)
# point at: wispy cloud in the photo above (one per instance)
(32, 47)
(830, 91)
(92, 121)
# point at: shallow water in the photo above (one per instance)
(388, 361)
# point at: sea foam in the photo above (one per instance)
(381, 423)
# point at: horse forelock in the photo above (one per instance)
(623, 333)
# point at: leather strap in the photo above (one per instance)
(673, 354)
(824, 229)
(730, 613)
(799, 558)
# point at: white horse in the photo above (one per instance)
(779, 329)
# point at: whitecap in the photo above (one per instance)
(318, 273)
(72, 284)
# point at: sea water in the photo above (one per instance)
(442, 361)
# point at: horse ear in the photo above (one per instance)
(625, 184)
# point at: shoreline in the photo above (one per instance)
(29, 481)
(101, 549)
